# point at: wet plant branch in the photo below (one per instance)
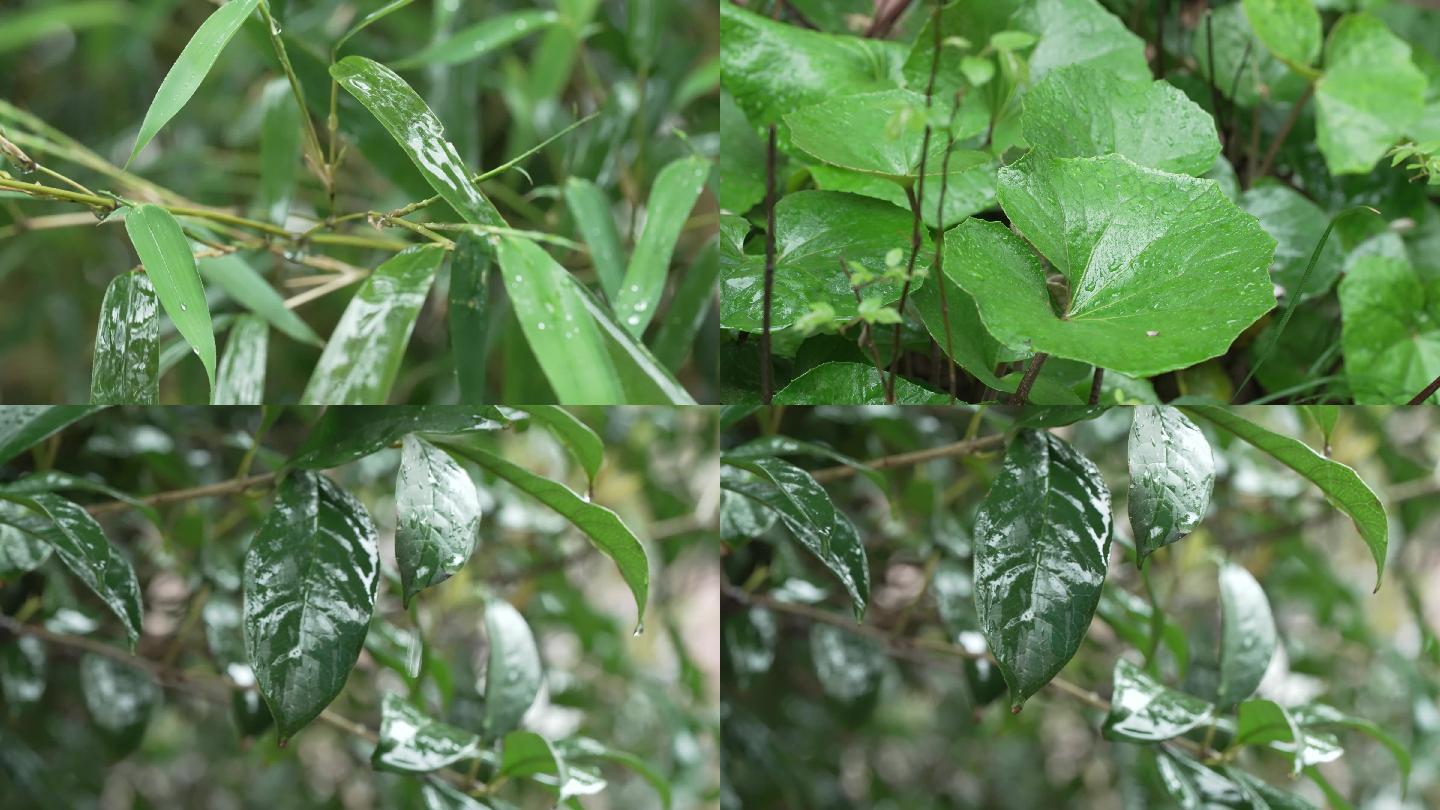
(223, 488)
(960, 448)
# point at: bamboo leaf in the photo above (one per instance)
(578, 438)
(645, 380)
(23, 426)
(241, 377)
(590, 209)
(168, 262)
(239, 280)
(126, 368)
(279, 150)
(470, 313)
(482, 38)
(688, 309)
(676, 189)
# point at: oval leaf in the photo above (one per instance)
(1247, 634)
(437, 516)
(126, 368)
(168, 262)
(411, 741)
(513, 670)
(1144, 710)
(1172, 472)
(1370, 95)
(1290, 29)
(1042, 538)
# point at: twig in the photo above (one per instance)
(1022, 392)
(1095, 384)
(222, 488)
(767, 381)
(1283, 133)
(885, 19)
(1419, 399)
(960, 448)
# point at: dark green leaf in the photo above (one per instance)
(20, 551)
(23, 426)
(440, 796)
(674, 193)
(848, 666)
(513, 672)
(22, 667)
(582, 442)
(1171, 475)
(347, 432)
(470, 313)
(1144, 710)
(240, 379)
(411, 741)
(742, 160)
(126, 368)
(644, 379)
(852, 384)
(311, 575)
(1042, 538)
(119, 697)
(168, 262)
(749, 636)
(1247, 634)
(437, 516)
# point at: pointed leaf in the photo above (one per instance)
(1370, 95)
(582, 442)
(1145, 710)
(676, 189)
(190, 67)
(470, 313)
(126, 368)
(23, 426)
(1042, 538)
(590, 209)
(688, 311)
(1321, 716)
(168, 262)
(347, 432)
(583, 750)
(279, 150)
(513, 672)
(241, 377)
(437, 516)
(1172, 473)
(360, 362)
(482, 38)
(239, 280)
(412, 742)
(311, 574)
(643, 378)
(1247, 634)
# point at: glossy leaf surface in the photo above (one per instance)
(437, 514)
(527, 754)
(876, 133)
(165, 253)
(513, 670)
(119, 698)
(311, 574)
(1324, 717)
(590, 209)
(1144, 710)
(1390, 330)
(240, 379)
(279, 150)
(1296, 224)
(239, 280)
(1370, 95)
(1042, 537)
(741, 162)
(190, 68)
(582, 442)
(126, 369)
(411, 741)
(470, 313)
(852, 384)
(20, 551)
(673, 195)
(362, 358)
(645, 380)
(23, 426)
(1172, 473)
(347, 432)
(1247, 634)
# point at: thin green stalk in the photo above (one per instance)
(312, 139)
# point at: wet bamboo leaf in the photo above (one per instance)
(494, 33)
(809, 514)
(591, 210)
(437, 516)
(1171, 475)
(849, 667)
(440, 796)
(347, 432)
(513, 671)
(24, 27)
(559, 329)
(582, 442)
(168, 262)
(240, 379)
(1145, 710)
(78, 541)
(644, 379)
(1247, 634)
(126, 368)
(360, 362)
(604, 528)
(1042, 538)
(119, 697)
(22, 670)
(370, 19)
(190, 67)
(676, 189)
(470, 313)
(279, 149)
(1341, 485)
(311, 574)
(239, 280)
(411, 123)
(23, 426)
(412, 742)
(688, 310)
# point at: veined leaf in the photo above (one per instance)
(363, 356)
(1042, 538)
(347, 432)
(582, 750)
(876, 133)
(482, 38)
(241, 378)
(1171, 475)
(239, 280)
(23, 426)
(311, 574)
(513, 670)
(688, 310)
(413, 742)
(1290, 29)
(578, 438)
(411, 123)
(1247, 634)
(676, 189)
(1391, 343)
(120, 698)
(1341, 485)
(37, 483)
(470, 313)
(560, 331)
(127, 344)
(79, 543)
(190, 68)
(279, 149)
(437, 516)
(1144, 710)
(165, 253)
(604, 528)
(1370, 95)
(590, 209)
(1321, 716)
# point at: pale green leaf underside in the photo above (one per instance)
(1247, 634)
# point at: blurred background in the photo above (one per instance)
(881, 729)
(654, 695)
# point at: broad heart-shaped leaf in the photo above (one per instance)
(814, 230)
(1245, 70)
(1290, 29)
(875, 133)
(1296, 224)
(1247, 634)
(119, 697)
(1171, 475)
(968, 190)
(411, 741)
(1144, 710)
(809, 514)
(470, 313)
(1084, 111)
(240, 379)
(126, 369)
(23, 426)
(79, 543)
(411, 123)
(1342, 486)
(674, 193)
(473, 42)
(591, 210)
(1042, 537)
(347, 432)
(311, 574)
(741, 161)
(238, 279)
(1370, 95)
(165, 253)
(1390, 333)
(582, 442)
(363, 357)
(512, 670)
(772, 69)
(1163, 270)
(838, 383)
(190, 67)
(437, 516)
(561, 333)
(605, 529)
(848, 666)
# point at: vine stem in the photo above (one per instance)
(960, 448)
(1419, 399)
(174, 495)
